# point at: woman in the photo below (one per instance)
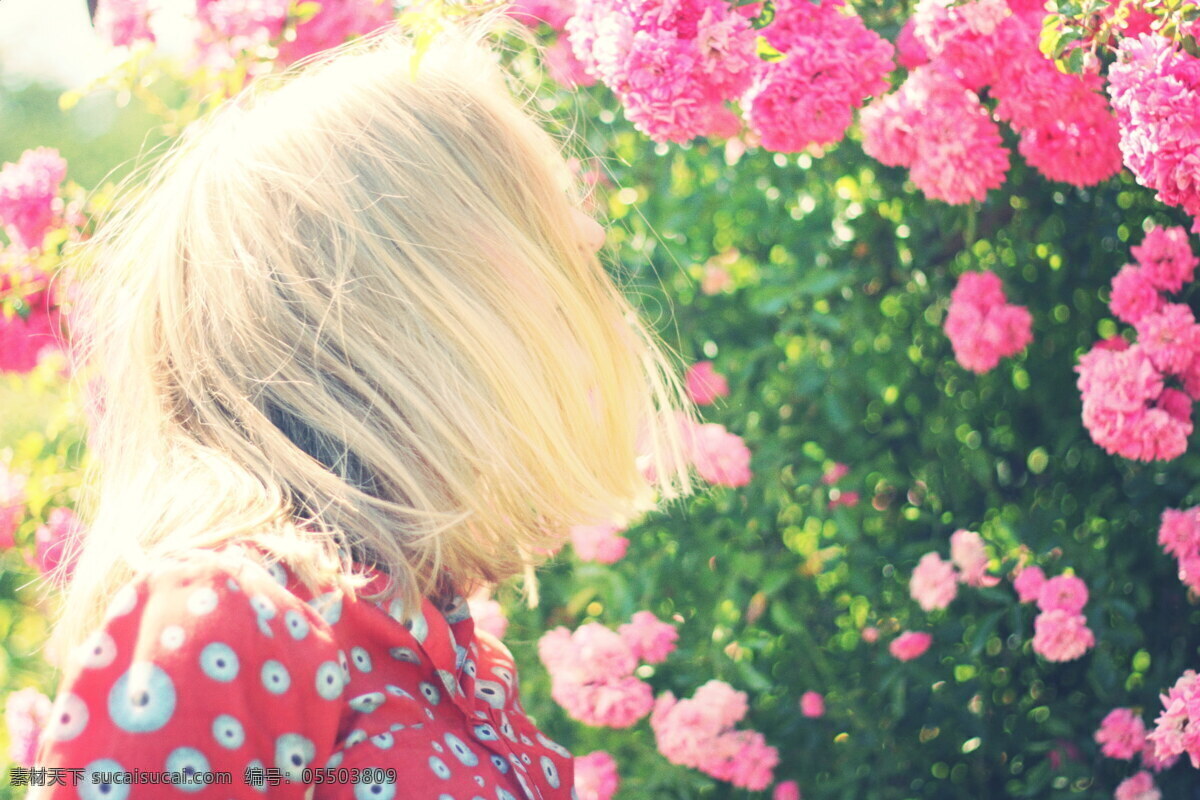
(357, 358)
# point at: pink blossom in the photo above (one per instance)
(591, 676)
(910, 645)
(840, 498)
(1139, 786)
(1179, 535)
(1166, 257)
(968, 554)
(938, 128)
(599, 542)
(563, 65)
(1126, 409)
(56, 539)
(834, 473)
(28, 190)
(1121, 734)
(787, 790)
(1028, 583)
(672, 68)
(720, 457)
(962, 37)
(705, 384)
(934, 582)
(123, 22)
(698, 733)
(715, 279)
(333, 24)
(982, 326)
(1171, 337)
(650, 639)
(232, 26)
(1151, 761)
(596, 776)
(24, 342)
(26, 713)
(1080, 148)
(1063, 592)
(910, 52)
(1177, 729)
(870, 634)
(555, 13)
(812, 704)
(809, 96)
(1155, 90)
(12, 505)
(1061, 636)
(1134, 295)
(488, 615)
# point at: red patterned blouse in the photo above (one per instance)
(220, 677)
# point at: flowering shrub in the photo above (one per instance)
(887, 437)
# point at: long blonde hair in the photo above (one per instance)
(349, 316)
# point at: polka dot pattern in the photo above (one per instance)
(220, 662)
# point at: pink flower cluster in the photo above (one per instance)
(935, 124)
(28, 194)
(600, 543)
(1179, 535)
(672, 64)
(786, 790)
(591, 670)
(1155, 89)
(1060, 629)
(596, 776)
(934, 582)
(809, 96)
(699, 733)
(1127, 407)
(1121, 734)
(719, 456)
(1177, 729)
(1139, 786)
(910, 645)
(705, 384)
(982, 325)
(26, 714)
(812, 704)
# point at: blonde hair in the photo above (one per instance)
(350, 317)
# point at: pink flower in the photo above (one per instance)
(28, 189)
(699, 733)
(968, 554)
(123, 22)
(1134, 295)
(809, 96)
(591, 676)
(910, 52)
(596, 776)
(834, 473)
(650, 639)
(1166, 257)
(1028, 584)
(563, 65)
(787, 790)
(938, 128)
(934, 582)
(1155, 90)
(599, 542)
(720, 457)
(1179, 535)
(983, 327)
(839, 498)
(1170, 337)
(1139, 786)
(333, 24)
(870, 634)
(1080, 149)
(55, 540)
(27, 713)
(555, 13)
(1061, 636)
(1177, 729)
(487, 614)
(12, 505)
(1151, 761)
(704, 384)
(25, 342)
(716, 278)
(812, 704)
(1121, 734)
(910, 645)
(1063, 592)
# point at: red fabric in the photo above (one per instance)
(221, 664)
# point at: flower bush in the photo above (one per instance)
(935, 301)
